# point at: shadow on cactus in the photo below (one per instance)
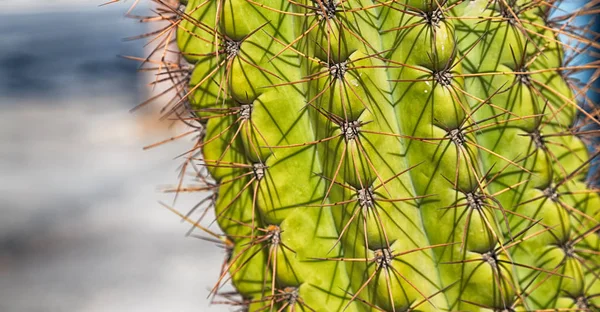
(403, 155)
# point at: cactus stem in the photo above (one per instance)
(568, 249)
(538, 140)
(232, 48)
(274, 234)
(338, 70)
(475, 201)
(291, 295)
(245, 111)
(325, 9)
(582, 303)
(443, 77)
(383, 258)
(491, 258)
(350, 129)
(259, 170)
(457, 136)
(508, 14)
(551, 193)
(365, 198)
(434, 17)
(181, 8)
(523, 76)
(288, 297)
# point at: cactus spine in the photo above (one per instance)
(403, 155)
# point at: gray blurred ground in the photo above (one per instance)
(80, 226)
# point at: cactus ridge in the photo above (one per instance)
(373, 155)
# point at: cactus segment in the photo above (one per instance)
(405, 155)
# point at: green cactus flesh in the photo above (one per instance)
(404, 155)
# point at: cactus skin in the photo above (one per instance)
(407, 155)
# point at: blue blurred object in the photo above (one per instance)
(586, 25)
(62, 54)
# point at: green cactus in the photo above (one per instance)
(372, 155)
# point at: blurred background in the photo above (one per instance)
(80, 226)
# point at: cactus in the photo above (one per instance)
(372, 155)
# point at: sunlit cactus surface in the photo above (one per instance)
(374, 155)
